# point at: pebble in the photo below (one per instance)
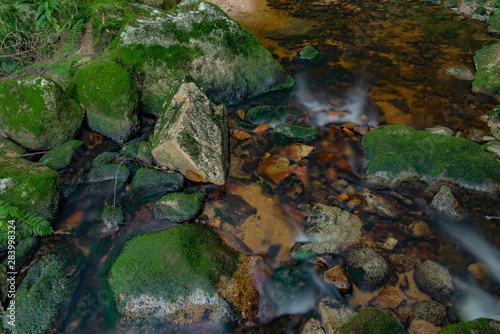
(390, 243)
(446, 203)
(402, 263)
(339, 278)
(422, 327)
(419, 229)
(434, 279)
(389, 297)
(334, 315)
(367, 269)
(430, 311)
(442, 130)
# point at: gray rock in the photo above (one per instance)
(434, 279)
(367, 269)
(445, 202)
(429, 311)
(39, 104)
(109, 173)
(460, 72)
(334, 315)
(380, 205)
(191, 135)
(476, 135)
(113, 215)
(61, 156)
(196, 40)
(442, 130)
(493, 147)
(105, 158)
(151, 182)
(330, 229)
(313, 326)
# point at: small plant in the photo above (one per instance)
(45, 14)
(26, 225)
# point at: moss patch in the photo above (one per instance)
(395, 150)
(371, 320)
(172, 263)
(108, 173)
(32, 187)
(40, 115)
(482, 325)
(155, 181)
(179, 207)
(60, 156)
(487, 78)
(287, 133)
(9, 149)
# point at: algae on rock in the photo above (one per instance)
(110, 97)
(36, 112)
(196, 40)
(487, 78)
(60, 156)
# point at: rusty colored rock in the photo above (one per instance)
(241, 135)
(339, 278)
(297, 151)
(389, 297)
(261, 129)
(274, 169)
(402, 263)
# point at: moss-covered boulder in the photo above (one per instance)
(179, 207)
(108, 174)
(105, 158)
(32, 187)
(371, 320)
(160, 277)
(196, 40)
(399, 153)
(36, 112)
(287, 133)
(41, 297)
(266, 114)
(144, 153)
(25, 250)
(191, 135)
(487, 77)
(110, 97)
(151, 183)
(60, 156)
(112, 215)
(481, 325)
(309, 53)
(9, 149)
(494, 24)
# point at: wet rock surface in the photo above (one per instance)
(434, 279)
(367, 269)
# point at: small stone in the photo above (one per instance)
(109, 173)
(152, 181)
(293, 133)
(266, 114)
(309, 53)
(420, 229)
(430, 311)
(488, 138)
(422, 327)
(334, 315)
(179, 207)
(442, 130)
(477, 270)
(371, 320)
(494, 117)
(144, 153)
(402, 263)
(493, 147)
(297, 151)
(390, 243)
(339, 278)
(476, 135)
(460, 72)
(446, 203)
(367, 269)
(274, 169)
(379, 204)
(113, 215)
(313, 326)
(434, 279)
(389, 297)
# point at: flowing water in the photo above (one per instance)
(382, 62)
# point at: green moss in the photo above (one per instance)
(482, 325)
(393, 150)
(108, 173)
(293, 133)
(371, 320)
(179, 207)
(60, 156)
(172, 263)
(265, 114)
(494, 116)
(110, 97)
(129, 150)
(112, 215)
(41, 115)
(480, 10)
(487, 79)
(9, 148)
(155, 181)
(190, 145)
(32, 187)
(40, 297)
(309, 53)
(25, 250)
(105, 158)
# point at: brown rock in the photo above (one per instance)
(333, 314)
(313, 326)
(297, 151)
(241, 135)
(389, 297)
(422, 327)
(402, 263)
(274, 169)
(420, 229)
(339, 278)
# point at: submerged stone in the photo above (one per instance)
(112, 215)
(371, 320)
(191, 135)
(36, 112)
(434, 279)
(109, 173)
(41, 297)
(288, 133)
(152, 181)
(309, 53)
(105, 158)
(110, 97)
(460, 72)
(170, 277)
(9, 149)
(487, 81)
(60, 156)
(265, 114)
(32, 187)
(179, 207)
(399, 153)
(445, 202)
(367, 269)
(494, 24)
(198, 40)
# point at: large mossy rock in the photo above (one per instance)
(161, 276)
(191, 135)
(179, 207)
(196, 40)
(151, 183)
(110, 98)
(32, 187)
(487, 78)
(399, 153)
(41, 297)
(9, 149)
(481, 325)
(61, 156)
(36, 112)
(371, 320)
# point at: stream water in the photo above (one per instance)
(382, 62)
